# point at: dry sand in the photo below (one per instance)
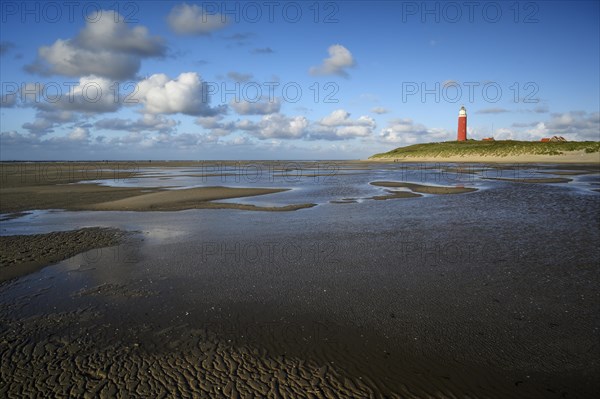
(23, 254)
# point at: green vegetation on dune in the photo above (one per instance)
(500, 148)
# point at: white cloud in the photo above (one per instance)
(69, 143)
(186, 94)
(578, 125)
(239, 77)
(209, 122)
(336, 118)
(63, 58)
(341, 117)
(239, 140)
(107, 30)
(537, 132)
(187, 19)
(276, 126)
(572, 125)
(79, 134)
(92, 94)
(320, 132)
(339, 59)
(8, 100)
(336, 126)
(39, 126)
(148, 122)
(495, 110)
(215, 126)
(505, 134)
(339, 126)
(405, 131)
(261, 107)
(12, 138)
(379, 110)
(105, 47)
(46, 121)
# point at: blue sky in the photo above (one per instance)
(290, 80)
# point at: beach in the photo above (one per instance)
(300, 200)
(178, 279)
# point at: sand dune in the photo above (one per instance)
(570, 157)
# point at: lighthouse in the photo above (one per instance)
(462, 124)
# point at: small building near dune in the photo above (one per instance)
(488, 139)
(554, 139)
(558, 139)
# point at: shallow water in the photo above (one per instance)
(491, 293)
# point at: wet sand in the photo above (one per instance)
(200, 364)
(63, 196)
(443, 296)
(23, 254)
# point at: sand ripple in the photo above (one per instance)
(197, 366)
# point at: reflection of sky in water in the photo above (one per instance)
(306, 186)
(322, 182)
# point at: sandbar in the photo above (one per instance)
(56, 185)
(172, 200)
(533, 180)
(424, 189)
(396, 194)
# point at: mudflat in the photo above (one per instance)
(459, 286)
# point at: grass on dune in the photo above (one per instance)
(500, 148)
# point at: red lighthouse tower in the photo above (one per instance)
(462, 124)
